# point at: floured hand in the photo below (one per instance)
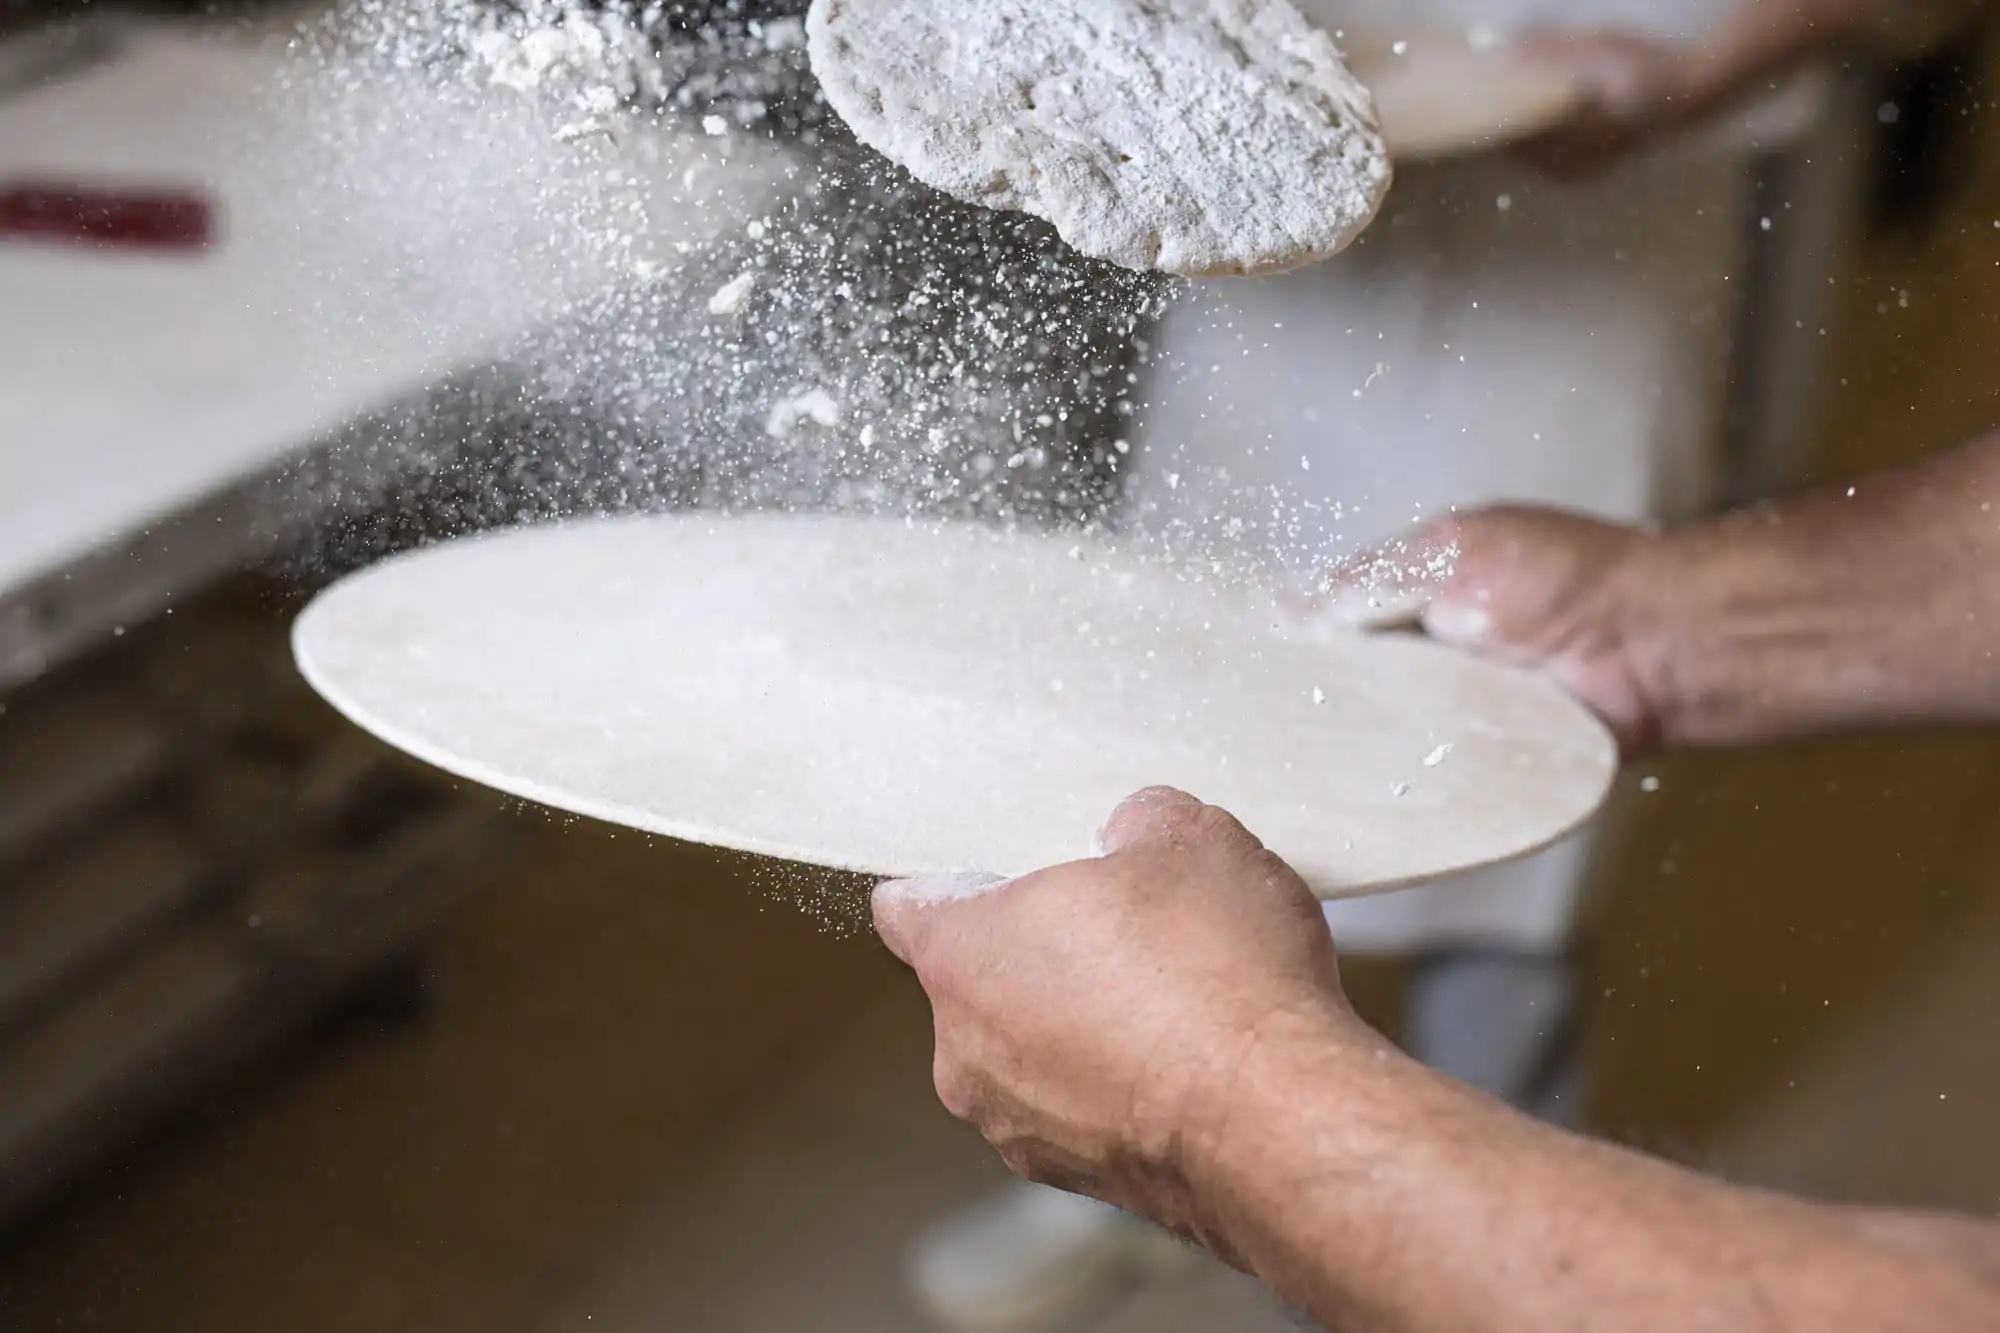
(1550, 591)
(1089, 1017)
(1866, 606)
(1643, 90)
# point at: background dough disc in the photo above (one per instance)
(903, 699)
(1444, 93)
(1197, 137)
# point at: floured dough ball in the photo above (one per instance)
(1198, 137)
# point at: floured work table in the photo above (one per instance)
(194, 861)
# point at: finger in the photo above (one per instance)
(1461, 622)
(1461, 612)
(1367, 610)
(1515, 569)
(1144, 815)
(1388, 585)
(906, 909)
(1419, 558)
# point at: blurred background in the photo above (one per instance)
(295, 1034)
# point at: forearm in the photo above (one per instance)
(1381, 1197)
(1761, 33)
(1876, 605)
(1907, 27)
(1763, 39)
(1763, 36)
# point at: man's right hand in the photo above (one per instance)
(1873, 605)
(1591, 605)
(1640, 90)
(1564, 595)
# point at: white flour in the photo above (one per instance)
(1198, 137)
(781, 322)
(958, 887)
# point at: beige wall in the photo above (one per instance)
(1797, 953)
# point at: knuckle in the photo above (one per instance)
(1181, 823)
(1448, 529)
(1278, 877)
(1212, 827)
(1146, 814)
(1468, 536)
(956, 1089)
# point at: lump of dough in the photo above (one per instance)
(1197, 137)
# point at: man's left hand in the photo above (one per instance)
(1090, 1018)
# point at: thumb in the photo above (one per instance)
(907, 910)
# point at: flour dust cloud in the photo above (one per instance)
(745, 309)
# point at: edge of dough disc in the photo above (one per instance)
(624, 816)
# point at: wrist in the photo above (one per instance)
(1690, 605)
(1652, 594)
(1234, 1129)
(1737, 629)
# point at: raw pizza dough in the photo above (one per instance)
(1198, 137)
(903, 699)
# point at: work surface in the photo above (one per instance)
(374, 236)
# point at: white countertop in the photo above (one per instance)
(374, 236)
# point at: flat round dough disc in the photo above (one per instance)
(1198, 137)
(1438, 94)
(914, 699)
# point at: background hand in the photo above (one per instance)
(1639, 90)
